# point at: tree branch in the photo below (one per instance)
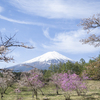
(5, 45)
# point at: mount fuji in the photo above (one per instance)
(42, 62)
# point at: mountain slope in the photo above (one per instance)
(42, 62)
(48, 56)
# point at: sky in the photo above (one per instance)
(48, 25)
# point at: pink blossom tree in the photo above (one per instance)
(73, 82)
(56, 80)
(70, 82)
(32, 79)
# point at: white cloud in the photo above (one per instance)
(69, 42)
(24, 22)
(46, 33)
(58, 8)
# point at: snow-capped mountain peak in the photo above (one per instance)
(48, 56)
(42, 62)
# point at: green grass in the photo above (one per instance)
(93, 93)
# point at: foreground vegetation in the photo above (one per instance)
(49, 91)
(65, 81)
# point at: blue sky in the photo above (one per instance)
(48, 25)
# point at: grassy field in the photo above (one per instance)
(93, 93)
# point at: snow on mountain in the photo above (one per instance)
(42, 62)
(48, 56)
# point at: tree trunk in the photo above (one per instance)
(41, 91)
(1, 96)
(35, 91)
(32, 94)
(5, 89)
(67, 97)
(78, 92)
(57, 90)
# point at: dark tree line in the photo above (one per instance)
(77, 67)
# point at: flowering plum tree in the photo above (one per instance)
(32, 79)
(73, 82)
(70, 82)
(56, 79)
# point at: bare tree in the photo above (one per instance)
(6, 80)
(93, 69)
(7, 77)
(6, 43)
(90, 24)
